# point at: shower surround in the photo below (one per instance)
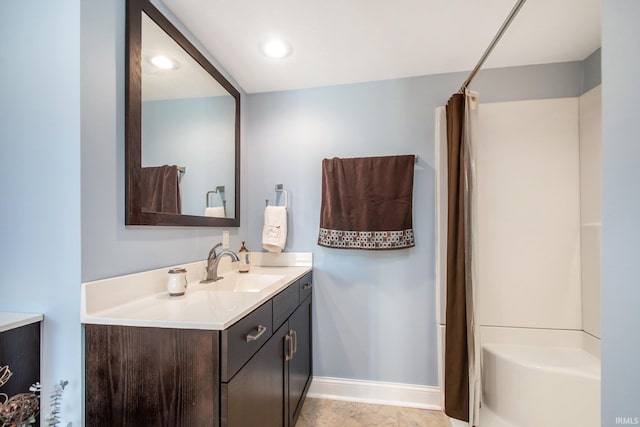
(538, 193)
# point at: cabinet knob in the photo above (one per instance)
(261, 330)
(307, 286)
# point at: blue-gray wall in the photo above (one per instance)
(620, 212)
(374, 311)
(40, 188)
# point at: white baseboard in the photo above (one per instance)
(375, 392)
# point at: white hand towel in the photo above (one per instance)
(274, 233)
(216, 211)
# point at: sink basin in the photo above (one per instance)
(253, 282)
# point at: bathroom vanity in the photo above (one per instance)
(237, 352)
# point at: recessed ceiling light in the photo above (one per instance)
(163, 62)
(276, 48)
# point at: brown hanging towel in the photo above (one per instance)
(367, 203)
(160, 190)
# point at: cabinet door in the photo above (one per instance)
(300, 366)
(151, 377)
(255, 395)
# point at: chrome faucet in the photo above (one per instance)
(214, 259)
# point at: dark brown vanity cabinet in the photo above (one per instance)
(300, 364)
(269, 390)
(255, 396)
(254, 373)
(139, 376)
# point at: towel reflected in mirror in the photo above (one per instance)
(215, 211)
(160, 189)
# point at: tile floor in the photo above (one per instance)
(330, 413)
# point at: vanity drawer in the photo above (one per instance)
(243, 339)
(284, 304)
(305, 286)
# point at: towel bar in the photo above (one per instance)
(280, 189)
(181, 171)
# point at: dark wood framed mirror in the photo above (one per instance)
(182, 122)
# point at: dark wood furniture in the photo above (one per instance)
(255, 373)
(20, 350)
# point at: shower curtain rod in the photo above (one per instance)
(493, 43)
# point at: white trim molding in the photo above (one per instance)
(376, 392)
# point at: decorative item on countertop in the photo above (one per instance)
(243, 254)
(21, 409)
(5, 374)
(367, 203)
(177, 282)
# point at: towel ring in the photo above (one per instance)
(280, 189)
(219, 189)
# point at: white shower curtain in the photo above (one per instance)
(471, 220)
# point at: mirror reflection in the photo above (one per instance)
(188, 132)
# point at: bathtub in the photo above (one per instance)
(539, 385)
(537, 378)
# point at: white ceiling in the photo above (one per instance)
(347, 41)
(188, 80)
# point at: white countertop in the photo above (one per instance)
(142, 300)
(15, 320)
